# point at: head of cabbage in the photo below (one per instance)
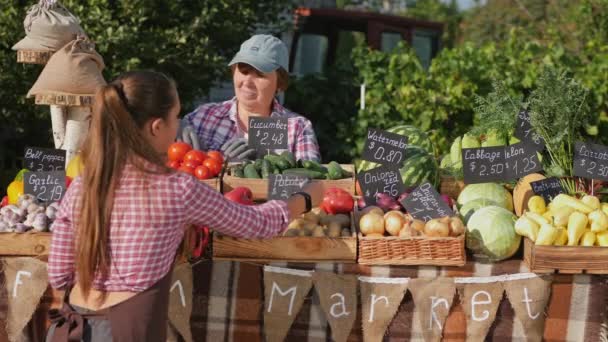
(490, 191)
(491, 232)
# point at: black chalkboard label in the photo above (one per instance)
(425, 203)
(267, 134)
(45, 186)
(385, 148)
(382, 179)
(485, 164)
(281, 186)
(526, 133)
(590, 160)
(548, 188)
(521, 159)
(39, 159)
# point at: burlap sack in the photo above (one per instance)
(284, 294)
(26, 281)
(529, 298)
(380, 300)
(480, 302)
(180, 300)
(75, 69)
(48, 27)
(432, 301)
(338, 297)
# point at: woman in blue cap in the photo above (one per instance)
(259, 72)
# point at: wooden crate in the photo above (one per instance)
(25, 244)
(215, 183)
(287, 248)
(565, 259)
(451, 186)
(259, 187)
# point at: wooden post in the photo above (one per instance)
(58, 121)
(77, 127)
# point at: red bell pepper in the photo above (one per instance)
(4, 202)
(241, 195)
(337, 201)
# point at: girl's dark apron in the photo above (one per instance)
(142, 317)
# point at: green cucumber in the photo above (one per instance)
(314, 166)
(266, 169)
(334, 170)
(251, 172)
(290, 158)
(237, 171)
(305, 172)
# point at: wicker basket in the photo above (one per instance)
(394, 250)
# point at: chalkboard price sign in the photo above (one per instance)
(281, 186)
(485, 164)
(548, 188)
(44, 159)
(385, 148)
(526, 133)
(521, 159)
(384, 179)
(591, 161)
(45, 186)
(267, 134)
(425, 203)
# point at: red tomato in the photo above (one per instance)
(202, 172)
(185, 168)
(174, 164)
(192, 163)
(178, 150)
(214, 165)
(216, 155)
(195, 156)
(68, 181)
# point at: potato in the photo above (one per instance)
(334, 229)
(292, 232)
(345, 232)
(319, 212)
(296, 224)
(318, 232)
(309, 225)
(311, 217)
(305, 232)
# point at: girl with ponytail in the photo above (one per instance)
(120, 223)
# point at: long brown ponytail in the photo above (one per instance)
(120, 110)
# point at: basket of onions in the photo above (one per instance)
(389, 236)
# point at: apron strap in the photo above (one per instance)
(70, 323)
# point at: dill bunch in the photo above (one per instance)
(497, 112)
(559, 112)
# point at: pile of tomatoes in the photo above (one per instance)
(202, 165)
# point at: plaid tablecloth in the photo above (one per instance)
(228, 304)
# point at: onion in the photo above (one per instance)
(408, 230)
(436, 228)
(393, 222)
(372, 209)
(374, 235)
(371, 223)
(418, 225)
(386, 202)
(457, 228)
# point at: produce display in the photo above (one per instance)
(374, 222)
(566, 220)
(27, 214)
(285, 163)
(202, 165)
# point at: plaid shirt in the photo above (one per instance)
(147, 225)
(216, 123)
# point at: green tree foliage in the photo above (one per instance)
(189, 40)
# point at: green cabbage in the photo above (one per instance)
(467, 210)
(491, 191)
(491, 232)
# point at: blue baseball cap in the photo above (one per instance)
(264, 52)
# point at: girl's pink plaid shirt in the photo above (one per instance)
(148, 219)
